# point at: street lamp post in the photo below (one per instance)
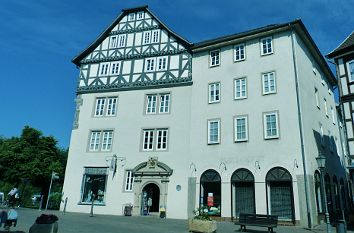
(321, 162)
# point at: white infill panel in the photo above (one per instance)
(347, 111)
(341, 67)
(130, 39)
(94, 70)
(126, 67)
(349, 130)
(138, 66)
(351, 148)
(164, 36)
(174, 62)
(105, 43)
(344, 86)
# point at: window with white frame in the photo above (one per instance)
(94, 185)
(115, 67)
(147, 37)
(104, 67)
(121, 40)
(100, 105)
(101, 140)
(106, 106)
(107, 140)
(240, 88)
(271, 125)
(269, 83)
(111, 106)
(151, 104)
(351, 70)
(317, 98)
(129, 181)
(241, 125)
(161, 142)
(161, 63)
(214, 92)
(140, 15)
(240, 51)
(159, 101)
(164, 103)
(155, 139)
(155, 36)
(325, 106)
(266, 46)
(113, 42)
(131, 17)
(333, 116)
(148, 142)
(213, 132)
(214, 58)
(150, 64)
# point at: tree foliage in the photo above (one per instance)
(31, 158)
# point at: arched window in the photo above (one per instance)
(328, 191)
(318, 192)
(342, 194)
(210, 192)
(280, 193)
(243, 194)
(336, 193)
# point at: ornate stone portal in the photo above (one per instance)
(150, 172)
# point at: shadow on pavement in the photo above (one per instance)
(12, 231)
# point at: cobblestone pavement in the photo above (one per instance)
(83, 223)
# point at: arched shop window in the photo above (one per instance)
(280, 193)
(210, 192)
(242, 191)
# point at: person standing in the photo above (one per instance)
(12, 195)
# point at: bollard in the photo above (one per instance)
(93, 200)
(66, 202)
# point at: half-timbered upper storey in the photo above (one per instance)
(136, 51)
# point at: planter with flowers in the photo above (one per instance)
(201, 222)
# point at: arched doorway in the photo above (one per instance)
(242, 191)
(150, 198)
(280, 193)
(210, 192)
(318, 191)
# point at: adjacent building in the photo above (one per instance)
(230, 125)
(343, 57)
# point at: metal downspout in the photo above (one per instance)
(309, 220)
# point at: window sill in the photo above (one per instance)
(240, 60)
(240, 98)
(88, 203)
(266, 54)
(270, 138)
(213, 143)
(241, 140)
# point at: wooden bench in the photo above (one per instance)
(260, 220)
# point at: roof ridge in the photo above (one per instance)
(342, 42)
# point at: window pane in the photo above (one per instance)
(213, 132)
(107, 140)
(129, 181)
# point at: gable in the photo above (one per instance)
(136, 51)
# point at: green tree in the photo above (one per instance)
(31, 158)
